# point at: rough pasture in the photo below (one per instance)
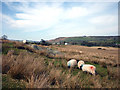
(39, 69)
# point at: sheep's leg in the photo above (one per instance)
(96, 73)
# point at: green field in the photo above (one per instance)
(112, 41)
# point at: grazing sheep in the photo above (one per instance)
(87, 67)
(80, 52)
(71, 63)
(80, 63)
(24, 41)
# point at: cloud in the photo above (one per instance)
(104, 20)
(43, 17)
(8, 20)
(76, 12)
(60, 0)
(40, 17)
(58, 19)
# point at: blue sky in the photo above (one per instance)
(49, 20)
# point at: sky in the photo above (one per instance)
(50, 20)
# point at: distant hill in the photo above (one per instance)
(58, 39)
(89, 40)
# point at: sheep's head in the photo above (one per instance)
(80, 63)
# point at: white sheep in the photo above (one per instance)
(80, 52)
(24, 41)
(86, 67)
(72, 63)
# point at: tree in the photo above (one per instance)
(4, 37)
(43, 42)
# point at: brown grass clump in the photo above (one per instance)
(38, 81)
(72, 82)
(55, 78)
(64, 62)
(113, 72)
(7, 62)
(23, 66)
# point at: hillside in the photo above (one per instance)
(37, 66)
(58, 39)
(112, 41)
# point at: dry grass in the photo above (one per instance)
(38, 81)
(41, 70)
(108, 56)
(23, 65)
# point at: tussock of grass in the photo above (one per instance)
(18, 65)
(8, 82)
(40, 81)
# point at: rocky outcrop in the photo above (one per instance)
(48, 50)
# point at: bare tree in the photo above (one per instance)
(4, 37)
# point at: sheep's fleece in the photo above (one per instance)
(87, 67)
(72, 63)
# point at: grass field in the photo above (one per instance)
(108, 41)
(24, 67)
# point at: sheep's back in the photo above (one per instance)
(72, 63)
(87, 67)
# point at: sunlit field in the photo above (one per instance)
(26, 67)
